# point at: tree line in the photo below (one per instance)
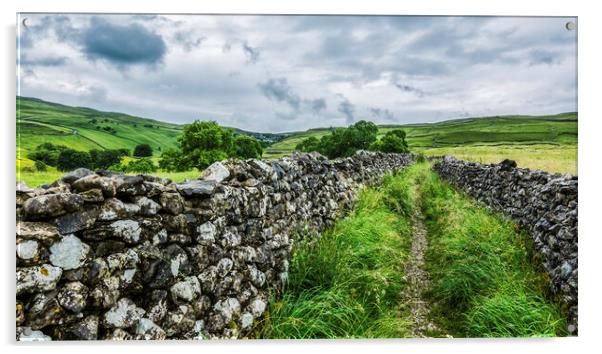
(205, 142)
(363, 135)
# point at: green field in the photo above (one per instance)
(547, 143)
(539, 142)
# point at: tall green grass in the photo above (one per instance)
(483, 281)
(348, 283)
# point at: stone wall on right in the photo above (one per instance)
(542, 203)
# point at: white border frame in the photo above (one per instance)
(589, 144)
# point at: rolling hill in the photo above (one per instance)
(84, 129)
(485, 131)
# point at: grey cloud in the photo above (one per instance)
(122, 45)
(316, 105)
(41, 27)
(542, 57)
(347, 109)
(382, 113)
(251, 53)
(407, 88)
(278, 90)
(189, 40)
(45, 61)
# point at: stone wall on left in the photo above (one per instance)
(106, 256)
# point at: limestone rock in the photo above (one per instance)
(186, 290)
(216, 172)
(73, 296)
(49, 205)
(41, 231)
(196, 188)
(105, 184)
(124, 314)
(38, 278)
(69, 253)
(74, 175)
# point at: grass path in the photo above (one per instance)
(415, 258)
(417, 278)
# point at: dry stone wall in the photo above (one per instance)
(544, 204)
(106, 256)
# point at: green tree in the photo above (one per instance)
(206, 142)
(393, 141)
(342, 142)
(40, 166)
(309, 144)
(173, 160)
(143, 150)
(70, 159)
(142, 165)
(246, 147)
(105, 158)
(47, 153)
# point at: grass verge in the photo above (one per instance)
(483, 280)
(348, 283)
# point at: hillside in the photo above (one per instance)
(540, 142)
(484, 131)
(84, 129)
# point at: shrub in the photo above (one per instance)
(143, 150)
(309, 144)
(342, 142)
(393, 141)
(173, 160)
(246, 147)
(143, 165)
(70, 159)
(41, 166)
(105, 158)
(48, 153)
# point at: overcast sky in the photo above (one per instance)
(285, 73)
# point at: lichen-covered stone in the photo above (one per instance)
(50, 205)
(148, 330)
(41, 231)
(73, 296)
(172, 202)
(206, 233)
(28, 249)
(124, 314)
(196, 188)
(105, 184)
(86, 329)
(186, 290)
(92, 195)
(28, 335)
(37, 278)
(128, 230)
(44, 310)
(74, 175)
(147, 206)
(228, 308)
(77, 221)
(69, 253)
(216, 172)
